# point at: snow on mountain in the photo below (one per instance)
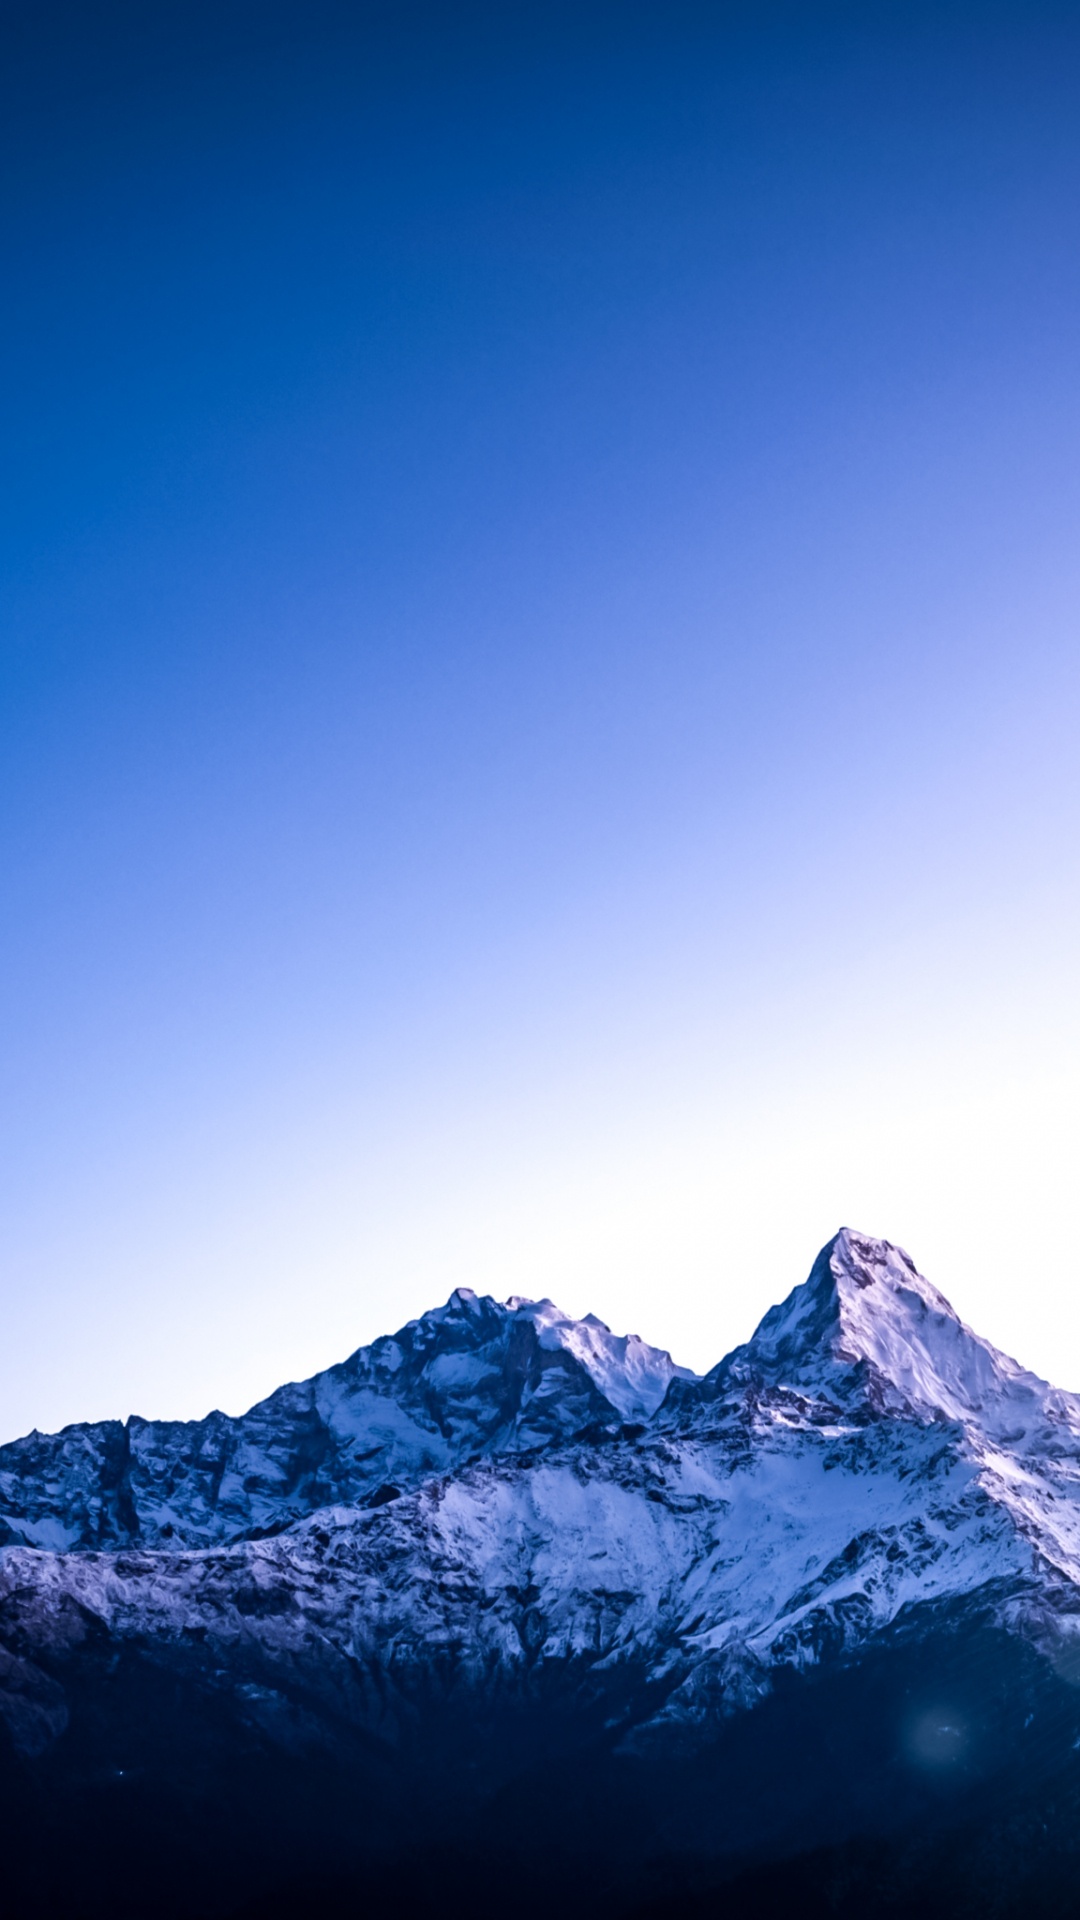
(508, 1490)
(632, 1376)
(869, 1335)
(866, 1311)
(468, 1379)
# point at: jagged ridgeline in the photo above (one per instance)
(507, 1611)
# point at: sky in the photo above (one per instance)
(539, 673)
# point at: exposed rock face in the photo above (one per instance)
(502, 1540)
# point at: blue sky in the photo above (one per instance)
(539, 674)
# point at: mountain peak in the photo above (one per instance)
(469, 1380)
(866, 1311)
(631, 1376)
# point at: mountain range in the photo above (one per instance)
(508, 1611)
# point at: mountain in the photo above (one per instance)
(469, 1380)
(509, 1610)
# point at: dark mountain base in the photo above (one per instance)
(937, 1776)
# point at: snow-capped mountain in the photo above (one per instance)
(470, 1379)
(502, 1540)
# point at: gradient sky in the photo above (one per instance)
(539, 682)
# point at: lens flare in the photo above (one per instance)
(937, 1740)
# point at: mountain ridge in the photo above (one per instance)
(470, 1377)
(545, 1586)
